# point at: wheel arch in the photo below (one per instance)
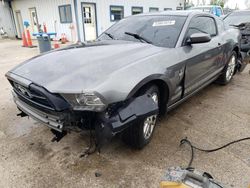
(162, 85)
(237, 50)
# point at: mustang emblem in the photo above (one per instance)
(23, 90)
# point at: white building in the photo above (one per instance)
(80, 19)
(6, 19)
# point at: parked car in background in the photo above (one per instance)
(237, 17)
(213, 9)
(140, 68)
(241, 20)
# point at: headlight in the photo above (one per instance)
(85, 101)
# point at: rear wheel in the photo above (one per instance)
(229, 70)
(139, 134)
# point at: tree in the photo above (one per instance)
(218, 2)
(188, 4)
(203, 2)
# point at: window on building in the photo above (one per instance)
(166, 9)
(153, 9)
(137, 10)
(179, 8)
(116, 13)
(65, 14)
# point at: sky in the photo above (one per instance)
(241, 4)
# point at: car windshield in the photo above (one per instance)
(158, 30)
(237, 18)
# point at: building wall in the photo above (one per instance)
(47, 12)
(5, 20)
(103, 10)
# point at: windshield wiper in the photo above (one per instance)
(138, 37)
(110, 35)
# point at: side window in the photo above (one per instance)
(202, 24)
(221, 26)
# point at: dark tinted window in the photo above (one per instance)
(160, 30)
(237, 18)
(116, 13)
(202, 25)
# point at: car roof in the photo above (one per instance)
(207, 6)
(238, 11)
(174, 13)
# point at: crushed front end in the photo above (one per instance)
(61, 114)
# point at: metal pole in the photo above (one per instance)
(77, 21)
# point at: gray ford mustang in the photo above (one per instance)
(138, 69)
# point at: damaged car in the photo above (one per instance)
(240, 19)
(137, 70)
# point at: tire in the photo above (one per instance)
(229, 70)
(136, 134)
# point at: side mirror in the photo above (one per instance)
(197, 38)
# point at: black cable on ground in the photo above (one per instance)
(186, 141)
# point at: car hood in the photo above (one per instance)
(82, 69)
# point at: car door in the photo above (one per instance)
(203, 58)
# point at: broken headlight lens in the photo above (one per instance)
(85, 101)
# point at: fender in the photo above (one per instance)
(166, 91)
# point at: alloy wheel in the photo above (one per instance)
(149, 122)
(231, 68)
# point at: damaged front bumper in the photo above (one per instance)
(136, 109)
(105, 124)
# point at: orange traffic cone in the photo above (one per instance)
(25, 43)
(29, 39)
(44, 28)
(56, 44)
(63, 38)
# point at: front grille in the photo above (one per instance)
(32, 96)
(53, 120)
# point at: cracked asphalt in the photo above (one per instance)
(213, 117)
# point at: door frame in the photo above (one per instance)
(96, 23)
(20, 27)
(36, 18)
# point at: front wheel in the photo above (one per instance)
(139, 134)
(228, 71)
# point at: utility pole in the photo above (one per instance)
(77, 21)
